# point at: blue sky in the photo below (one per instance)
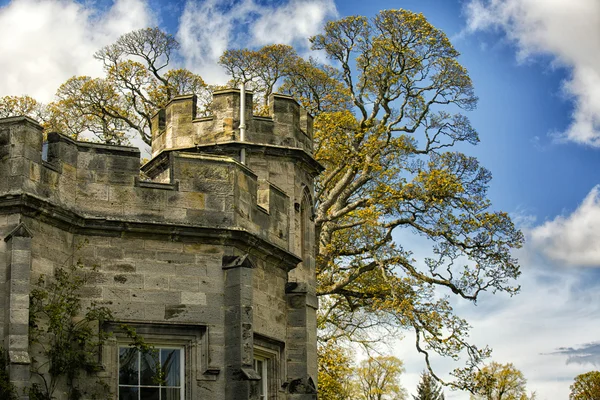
(536, 69)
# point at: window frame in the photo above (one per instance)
(271, 353)
(192, 339)
(264, 375)
(159, 347)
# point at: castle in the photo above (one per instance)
(210, 257)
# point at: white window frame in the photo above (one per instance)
(270, 352)
(192, 339)
(264, 374)
(139, 386)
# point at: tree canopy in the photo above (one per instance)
(335, 371)
(378, 378)
(586, 386)
(136, 84)
(389, 113)
(498, 381)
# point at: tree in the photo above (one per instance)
(500, 382)
(428, 389)
(378, 379)
(259, 69)
(388, 119)
(136, 85)
(11, 106)
(335, 370)
(586, 386)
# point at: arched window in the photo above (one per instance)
(306, 233)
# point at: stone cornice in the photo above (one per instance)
(43, 210)
(234, 146)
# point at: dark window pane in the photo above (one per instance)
(128, 366)
(149, 393)
(148, 372)
(171, 363)
(128, 393)
(170, 394)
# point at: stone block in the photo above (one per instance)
(19, 301)
(18, 315)
(116, 293)
(18, 328)
(156, 282)
(121, 267)
(174, 257)
(193, 298)
(190, 270)
(18, 342)
(157, 296)
(133, 281)
(184, 282)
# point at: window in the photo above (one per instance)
(268, 364)
(153, 375)
(261, 366)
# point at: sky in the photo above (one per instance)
(535, 65)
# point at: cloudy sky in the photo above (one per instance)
(536, 69)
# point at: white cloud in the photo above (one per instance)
(209, 27)
(44, 42)
(298, 20)
(569, 32)
(573, 239)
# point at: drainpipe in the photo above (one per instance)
(243, 121)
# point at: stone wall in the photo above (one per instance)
(206, 254)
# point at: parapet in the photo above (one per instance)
(95, 186)
(176, 126)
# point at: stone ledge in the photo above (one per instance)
(70, 221)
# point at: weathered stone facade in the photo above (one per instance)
(209, 255)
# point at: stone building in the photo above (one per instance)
(211, 259)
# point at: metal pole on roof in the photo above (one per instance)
(243, 121)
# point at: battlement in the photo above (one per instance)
(90, 183)
(176, 126)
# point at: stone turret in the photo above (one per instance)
(209, 255)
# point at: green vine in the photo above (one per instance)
(7, 389)
(63, 337)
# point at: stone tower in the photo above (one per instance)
(210, 260)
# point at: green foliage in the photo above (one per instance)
(498, 381)
(7, 389)
(428, 388)
(64, 337)
(586, 386)
(335, 371)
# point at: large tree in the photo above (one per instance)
(586, 386)
(389, 119)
